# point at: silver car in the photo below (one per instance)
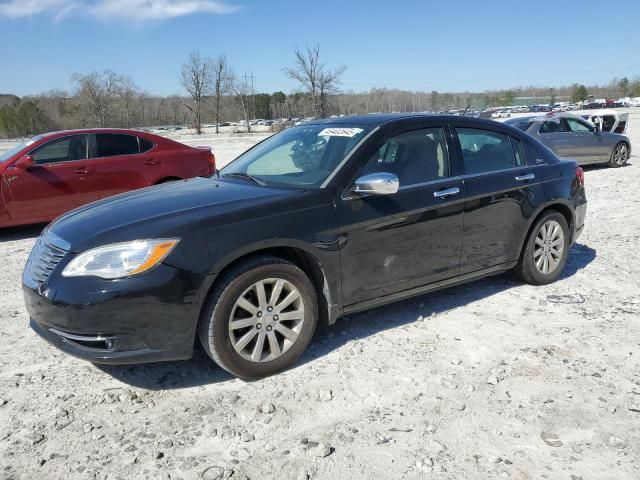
(575, 138)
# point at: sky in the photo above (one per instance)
(461, 45)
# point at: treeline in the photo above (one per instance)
(108, 99)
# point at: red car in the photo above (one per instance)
(56, 172)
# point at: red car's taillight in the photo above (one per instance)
(580, 175)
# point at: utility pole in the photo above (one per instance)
(253, 100)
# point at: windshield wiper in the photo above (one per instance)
(245, 176)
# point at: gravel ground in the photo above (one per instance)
(494, 379)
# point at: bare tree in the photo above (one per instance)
(221, 83)
(98, 92)
(129, 94)
(197, 79)
(316, 79)
(243, 93)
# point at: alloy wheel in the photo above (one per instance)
(620, 154)
(549, 247)
(266, 320)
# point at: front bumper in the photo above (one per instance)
(148, 318)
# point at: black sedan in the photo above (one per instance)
(318, 221)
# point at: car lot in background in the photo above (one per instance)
(56, 172)
(572, 137)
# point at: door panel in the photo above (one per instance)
(401, 241)
(502, 191)
(57, 183)
(555, 134)
(497, 212)
(408, 239)
(46, 191)
(588, 145)
(118, 165)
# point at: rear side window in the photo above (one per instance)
(553, 126)
(485, 151)
(64, 149)
(145, 145)
(112, 144)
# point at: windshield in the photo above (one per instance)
(11, 152)
(301, 156)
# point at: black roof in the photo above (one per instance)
(376, 119)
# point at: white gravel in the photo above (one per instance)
(494, 379)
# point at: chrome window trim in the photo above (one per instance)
(468, 176)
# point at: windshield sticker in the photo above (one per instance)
(340, 132)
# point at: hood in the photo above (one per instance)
(160, 211)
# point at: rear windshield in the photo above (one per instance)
(522, 125)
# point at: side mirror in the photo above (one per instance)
(377, 184)
(25, 162)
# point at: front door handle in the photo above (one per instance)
(446, 193)
(81, 170)
(525, 177)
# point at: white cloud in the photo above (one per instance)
(135, 10)
(26, 8)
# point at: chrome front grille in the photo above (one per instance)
(44, 258)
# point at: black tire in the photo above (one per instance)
(213, 328)
(526, 269)
(613, 162)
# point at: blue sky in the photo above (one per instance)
(411, 44)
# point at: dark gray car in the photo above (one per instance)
(572, 137)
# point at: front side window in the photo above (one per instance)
(302, 156)
(114, 144)
(63, 149)
(554, 126)
(485, 151)
(577, 126)
(415, 157)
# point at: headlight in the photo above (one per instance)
(120, 259)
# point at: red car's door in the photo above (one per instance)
(118, 164)
(58, 182)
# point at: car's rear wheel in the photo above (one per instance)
(546, 250)
(260, 318)
(619, 155)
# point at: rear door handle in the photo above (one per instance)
(525, 177)
(446, 193)
(151, 161)
(81, 170)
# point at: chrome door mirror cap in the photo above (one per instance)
(381, 183)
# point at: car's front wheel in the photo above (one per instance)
(619, 155)
(260, 318)
(545, 251)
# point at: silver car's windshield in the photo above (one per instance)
(302, 156)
